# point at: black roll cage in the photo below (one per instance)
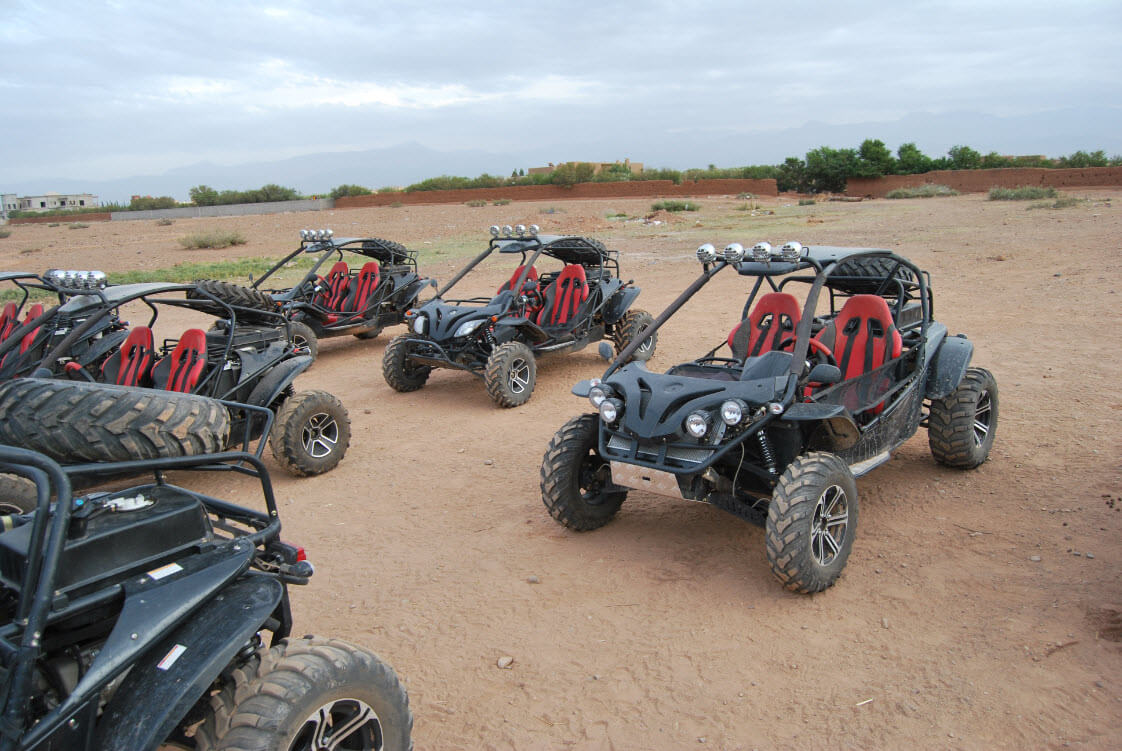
(331, 249)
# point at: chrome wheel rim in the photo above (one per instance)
(519, 376)
(320, 434)
(341, 725)
(982, 415)
(830, 524)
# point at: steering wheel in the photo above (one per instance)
(819, 350)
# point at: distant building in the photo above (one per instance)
(597, 167)
(46, 202)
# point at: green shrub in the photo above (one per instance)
(342, 191)
(744, 196)
(674, 206)
(5, 233)
(396, 205)
(806, 201)
(204, 195)
(78, 225)
(1022, 193)
(502, 202)
(213, 239)
(616, 215)
(147, 203)
(1065, 202)
(476, 204)
(54, 224)
(165, 222)
(927, 190)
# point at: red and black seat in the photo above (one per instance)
(532, 276)
(9, 319)
(772, 320)
(362, 288)
(183, 368)
(131, 365)
(334, 288)
(862, 338)
(563, 298)
(28, 339)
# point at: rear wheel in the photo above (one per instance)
(511, 374)
(401, 373)
(311, 433)
(576, 482)
(811, 522)
(309, 694)
(961, 427)
(18, 495)
(628, 331)
(303, 338)
(235, 295)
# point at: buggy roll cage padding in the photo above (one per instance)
(132, 363)
(771, 321)
(563, 297)
(185, 363)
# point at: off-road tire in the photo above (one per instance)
(77, 421)
(238, 295)
(794, 550)
(877, 268)
(629, 328)
(308, 423)
(961, 427)
(399, 371)
(511, 374)
(302, 335)
(573, 476)
(18, 495)
(266, 702)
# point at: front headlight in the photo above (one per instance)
(419, 324)
(598, 393)
(610, 410)
(732, 411)
(466, 328)
(697, 424)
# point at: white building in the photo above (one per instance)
(46, 202)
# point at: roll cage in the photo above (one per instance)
(335, 249)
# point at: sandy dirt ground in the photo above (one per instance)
(979, 609)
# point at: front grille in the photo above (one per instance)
(680, 456)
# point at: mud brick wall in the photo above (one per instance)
(980, 181)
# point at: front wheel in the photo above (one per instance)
(511, 374)
(628, 331)
(306, 695)
(401, 373)
(811, 522)
(962, 426)
(303, 338)
(576, 482)
(311, 433)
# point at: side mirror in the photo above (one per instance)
(824, 372)
(606, 351)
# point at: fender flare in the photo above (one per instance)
(618, 304)
(948, 367)
(277, 380)
(407, 294)
(156, 695)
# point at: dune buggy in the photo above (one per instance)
(810, 395)
(498, 338)
(94, 394)
(158, 617)
(356, 286)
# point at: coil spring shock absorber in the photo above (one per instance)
(765, 450)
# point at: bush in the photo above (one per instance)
(165, 222)
(1060, 203)
(674, 206)
(204, 195)
(1022, 193)
(927, 190)
(54, 224)
(502, 202)
(476, 204)
(78, 225)
(570, 173)
(147, 203)
(214, 239)
(806, 201)
(342, 191)
(396, 205)
(5, 233)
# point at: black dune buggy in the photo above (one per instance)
(811, 394)
(498, 338)
(102, 394)
(156, 617)
(356, 286)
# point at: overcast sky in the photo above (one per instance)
(106, 90)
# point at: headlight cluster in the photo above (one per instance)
(732, 412)
(466, 328)
(70, 279)
(316, 235)
(761, 252)
(604, 399)
(520, 230)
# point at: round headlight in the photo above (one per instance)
(494, 230)
(697, 424)
(419, 325)
(734, 253)
(520, 229)
(329, 233)
(761, 252)
(706, 253)
(732, 411)
(507, 230)
(610, 409)
(597, 394)
(791, 251)
(535, 229)
(303, 234)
